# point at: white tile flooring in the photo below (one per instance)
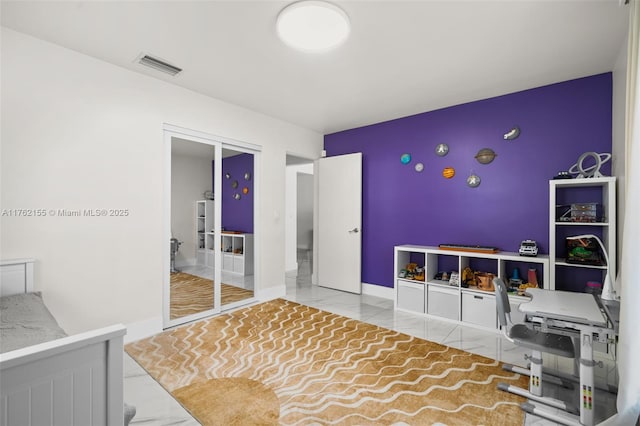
(157, 407)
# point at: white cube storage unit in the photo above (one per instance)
(237, 253)
(237, 248)
(471, 306)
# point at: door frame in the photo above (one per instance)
(218, 142)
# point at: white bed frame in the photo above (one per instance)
(76, 380)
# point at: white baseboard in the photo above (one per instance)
(141, 329)
(185, 262)
(271, 293)
(291, 272)
(378, 291)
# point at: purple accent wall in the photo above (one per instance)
(401, 206)
(237, 215)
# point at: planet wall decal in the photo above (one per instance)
(473, 181)
(486, 156)
(442, 149)
(405, 158)
(448, 172)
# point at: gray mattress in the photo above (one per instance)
(26, 321)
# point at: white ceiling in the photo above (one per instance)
(402, 58)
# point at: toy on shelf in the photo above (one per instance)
(454, 278)
(528, 248)
(412, 272)
(468, 277)
(484, 281)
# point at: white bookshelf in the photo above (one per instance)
(602, 191)
(237, 248)
(204, 225)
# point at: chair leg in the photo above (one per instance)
(535, 379)
(547, 377)
(551, 402)
(532, 409)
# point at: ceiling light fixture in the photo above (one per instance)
(313, 26)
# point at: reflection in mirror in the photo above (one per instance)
(236, 240)
(192, 222)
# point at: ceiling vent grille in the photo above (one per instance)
(159, 65)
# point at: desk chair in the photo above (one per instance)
(538, 342)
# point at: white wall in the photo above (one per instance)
(190, 178)
(78, 133)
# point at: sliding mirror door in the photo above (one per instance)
(237, 227)
(192, 273)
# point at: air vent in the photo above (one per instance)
(158, 64)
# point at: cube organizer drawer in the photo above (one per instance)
(411, 296)
(479, 309)
(443, 302)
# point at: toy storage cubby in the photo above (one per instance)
(237, 253)
(568, 193)
(472, 306)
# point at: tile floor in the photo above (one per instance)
(157, 407)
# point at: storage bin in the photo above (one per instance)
(443, 302)
(479, 309)
(411, 296)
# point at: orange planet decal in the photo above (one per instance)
(448, 172)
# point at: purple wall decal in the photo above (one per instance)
(237, 215)
(401, 206)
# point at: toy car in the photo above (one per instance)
(528, 248)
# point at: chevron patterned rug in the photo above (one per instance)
(280, 362)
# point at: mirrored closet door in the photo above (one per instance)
(236, 238)
(209, 223)
(192, 291)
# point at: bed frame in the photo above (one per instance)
(75, 380)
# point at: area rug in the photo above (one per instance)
(191, 294)
(280, 362)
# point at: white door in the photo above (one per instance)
(339, 222)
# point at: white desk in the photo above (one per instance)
(577, 311)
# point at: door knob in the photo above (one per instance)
(354, 231)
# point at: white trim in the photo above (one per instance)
(141, 329)
(378, 291)
(208, 137)
(271, 293)
(186, 262)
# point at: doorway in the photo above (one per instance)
(299, 216)
(210, 193)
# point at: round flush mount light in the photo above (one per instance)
(313, 26)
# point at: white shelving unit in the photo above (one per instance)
(237, 253)
(565, 192)
(237, 249)
(204, 226)
(470, 306)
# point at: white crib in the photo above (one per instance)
(74, 380)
